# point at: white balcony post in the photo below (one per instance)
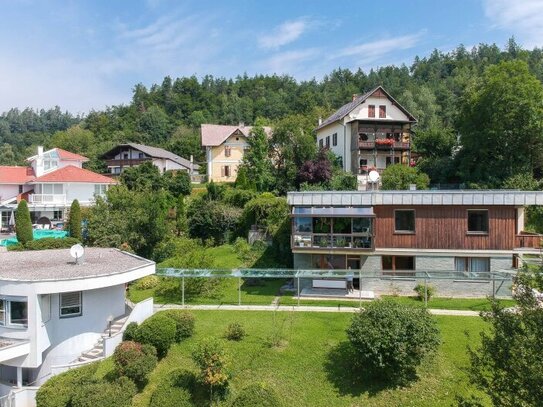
(19, 377)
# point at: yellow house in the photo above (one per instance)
(225, 147)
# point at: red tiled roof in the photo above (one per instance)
(71, 173)
(15, 174)
(67, 155)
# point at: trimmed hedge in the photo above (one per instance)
(103, 394)
(170, 396)
(23, 224)
(134, 361)
(74, 220)
(59, 390)
(184, 323)
(131, 332)
(45, 244)
(160, 331)
(257, 394)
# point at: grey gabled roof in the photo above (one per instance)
(157, 152)
(399, 198)
(349, 107)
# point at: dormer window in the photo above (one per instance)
(49, 164)
(371, 110)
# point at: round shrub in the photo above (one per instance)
(147, 282)
(131, 332)
(430, 291)
(213, 360)
(235, 332)
(115, 394)
(159, 331)
(170, 396)
(184, 323)
(390, 340)
(58, 390)
(134, 361)
(257, 394)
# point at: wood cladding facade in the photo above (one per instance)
(446, 227)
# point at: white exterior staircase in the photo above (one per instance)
(97, 352)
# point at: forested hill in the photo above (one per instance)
(169, 114)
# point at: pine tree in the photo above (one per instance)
(74, 220)
(23, 224)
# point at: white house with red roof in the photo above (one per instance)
(50, 183)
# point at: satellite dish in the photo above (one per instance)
(77, 251)
(373, 176)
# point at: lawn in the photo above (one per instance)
(313, 367)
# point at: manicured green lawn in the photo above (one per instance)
(313, 367)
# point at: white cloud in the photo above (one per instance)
(284, 34)
(523, 18)
(289, 62)
(369, 52)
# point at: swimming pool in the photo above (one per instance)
(38, 234)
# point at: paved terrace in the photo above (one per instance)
(54, 265)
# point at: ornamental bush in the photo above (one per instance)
(430, 291)
(257, 394)
(390, 340)
(212, 359)
(147, 282)
(104, 394)
(184, 323)
(134, 361)
(235, 332)
(170, 396)
(131, 332)
(159, 331)
(23, 224)
(74, 220)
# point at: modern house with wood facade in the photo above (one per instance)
(369, 133)
(404, 232)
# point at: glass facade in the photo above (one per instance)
(343, 228)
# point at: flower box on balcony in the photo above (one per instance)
(387, 142)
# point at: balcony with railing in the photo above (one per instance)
(47, 198)
(383, 144)
(126, 162)
(526, 240)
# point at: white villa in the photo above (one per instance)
(50, 183)
(368, 134)
(56, 314)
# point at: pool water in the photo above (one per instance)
(38, 234)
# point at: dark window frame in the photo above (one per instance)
(73, 315)
(334, 139)
(371, 110)
(382, 111)
(478, 232)
(405, 231)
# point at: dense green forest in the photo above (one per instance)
(486, 100)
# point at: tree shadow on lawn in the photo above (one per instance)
(350, 379)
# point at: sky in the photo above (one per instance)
(84, 55)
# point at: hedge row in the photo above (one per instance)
(45, 244)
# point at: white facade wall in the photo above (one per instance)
(393, 113)
(343, 147)
(8, 191)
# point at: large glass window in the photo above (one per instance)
(2, 312)
(362, 225)
(398, 264)
(303, 225)
(404, 221)
(18, 313)
(56, 189)
(70, 304)
(322, 225)
(100, 189)
(478, 221)
(342, 225)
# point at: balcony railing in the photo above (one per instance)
(328, 241)
(370, 145)
(47, 199)
(528, 241)
(126, 162)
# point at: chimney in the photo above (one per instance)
(40, 151)
(241, 124)
(37, 164)
(320, 121)
(353, 98)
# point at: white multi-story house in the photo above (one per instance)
(132, 155)
(50, 183)
(369, 133)
(56, 313)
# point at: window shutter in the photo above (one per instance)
(70, 299)
(223, 170)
